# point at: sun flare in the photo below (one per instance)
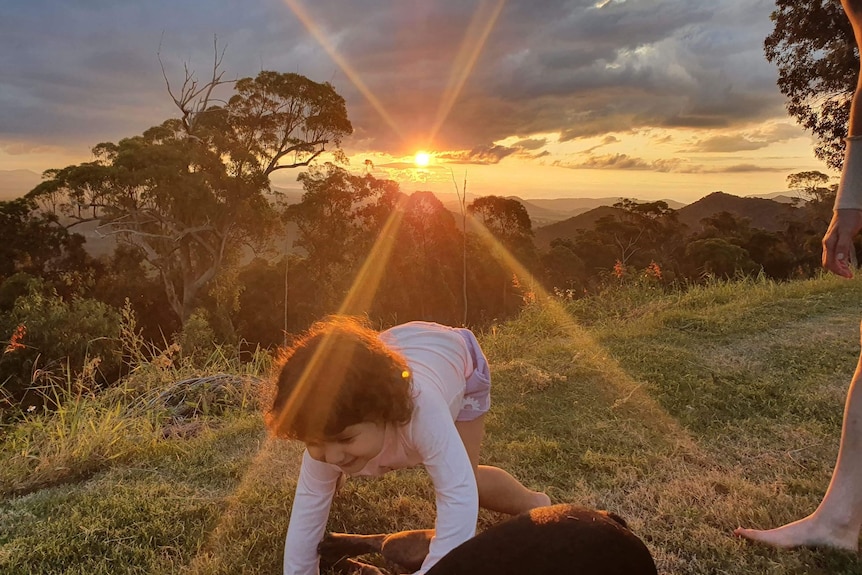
(422, 159)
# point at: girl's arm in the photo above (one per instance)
(444, 456)
(311, 503)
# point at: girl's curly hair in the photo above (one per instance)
(339, 373)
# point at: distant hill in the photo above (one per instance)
(547, 211)
(787, 197)
(770, 215)
(570, 227)
(16, 183)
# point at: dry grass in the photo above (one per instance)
(688, 414)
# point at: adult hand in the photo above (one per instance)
(838, 241)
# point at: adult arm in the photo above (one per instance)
(311, 502)
(847, 215)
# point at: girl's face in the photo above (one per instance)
(351, 449)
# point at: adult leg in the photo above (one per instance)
(838, 518)
(498, 491)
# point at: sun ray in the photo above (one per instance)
(304, 17)
(626, 388)
(483, 22)
(367, 281)
(357, 301)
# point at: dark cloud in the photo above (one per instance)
(608, 162)
(747, 141)
(674, 165)
(531, 144)
(741, 168)
(85, 70)
(481, 155)
(605, 141)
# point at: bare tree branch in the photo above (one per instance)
(191, 99)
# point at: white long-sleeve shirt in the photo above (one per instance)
(440, 363)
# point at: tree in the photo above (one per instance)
(34, 242)
(767, 249)
(641, 233)
(563, 269)
(190, 192)
(338, 219)
(718, 257)
(423, 275)
(813, 46)
(508, 221)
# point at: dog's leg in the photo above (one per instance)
(407, 549)
(353, 567)
(337, 545)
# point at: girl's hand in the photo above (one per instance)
(839, 256)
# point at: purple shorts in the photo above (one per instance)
(477, 395)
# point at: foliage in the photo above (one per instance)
(162, 397)
(34, 242)
(636, 235)
(563, 268)
(338, 219)
(812, 44)
(494, 289)
(190, 192)
(196, 337)
(126, 275)
(423, 276)
(260, 314)
(61, 339)
(718, 257)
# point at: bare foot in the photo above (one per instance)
(808, 532)
(540, 499)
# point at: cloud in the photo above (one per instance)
(569, 67)
(673, 165)
(742, 168)
(741, 142)
(531, 144)
(489, 154)
(608, 162)
(609, 139)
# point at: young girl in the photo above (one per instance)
(365, 403)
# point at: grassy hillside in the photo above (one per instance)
(688, 414)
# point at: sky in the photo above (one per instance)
(653, 99)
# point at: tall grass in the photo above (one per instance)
(689, 413)
(85, 429)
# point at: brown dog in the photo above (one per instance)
(558, 539)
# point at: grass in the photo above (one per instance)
(687, 413)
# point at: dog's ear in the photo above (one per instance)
(616, 518)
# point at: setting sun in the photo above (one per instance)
(422, 159)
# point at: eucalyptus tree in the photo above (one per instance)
(190, 192)
(424, 277)
(338, 220)
(508, 221)
(813, 46)
(34, 242)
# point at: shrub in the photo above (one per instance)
(49, 341)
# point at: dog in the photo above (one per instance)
(558, 539)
